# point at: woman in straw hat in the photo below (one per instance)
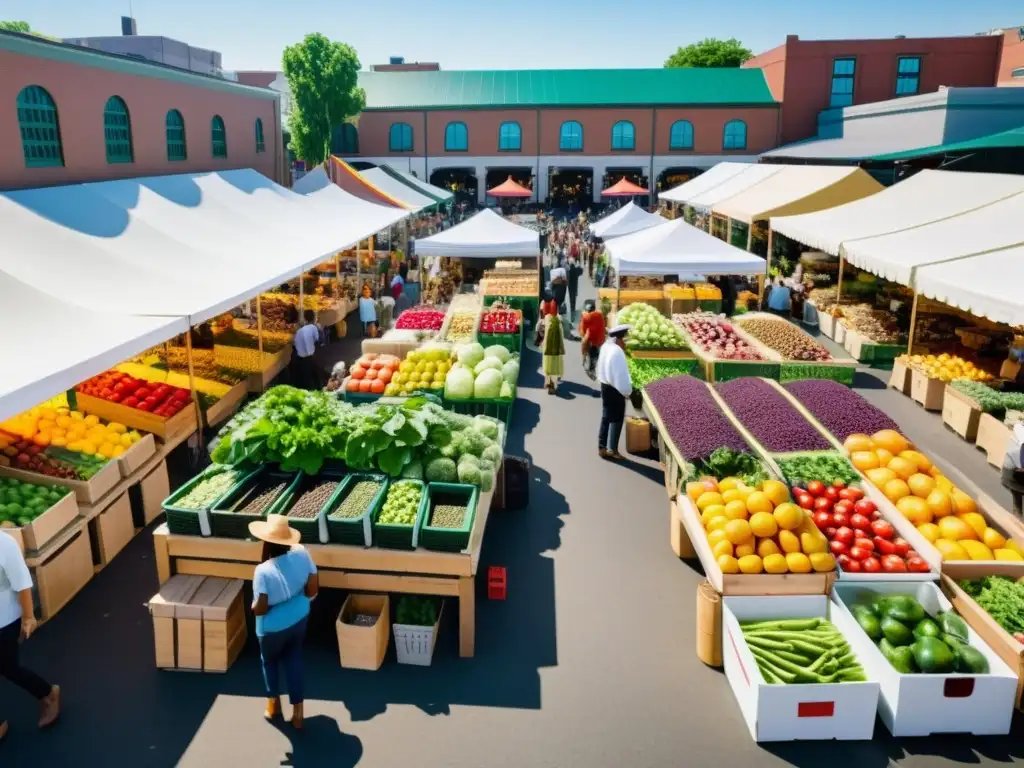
(282, 587)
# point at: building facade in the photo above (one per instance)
(1011, 59)
(72, 114)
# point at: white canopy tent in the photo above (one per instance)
(311, 181)
(741, 182)
(628, 219)
(394, 188)
(428, 189)
(708, 180)
(485, 235)
(678, 248)
(926, 197)
(988, 284)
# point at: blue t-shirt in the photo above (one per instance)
(283, 580)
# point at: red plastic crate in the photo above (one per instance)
(497, 583)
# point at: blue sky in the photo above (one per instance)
(508, 35)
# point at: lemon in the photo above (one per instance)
(798, 562)
(751, 564)
(993, 539)
(714, 537)
(758, 501)
(737, 531)
(728, 564)
(728, 484)
(788, 516)
(812, 543)
(717, 523)
(775, 564)
(736, 510)
(776, 491)
(1008, 554)
(788, 542)
(767, 547)
(707, 499)
(745, 548)
(823, 562)
(722, 548)
(763, 525)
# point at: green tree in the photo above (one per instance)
(23, 27)
(710, 52)
(323, 76)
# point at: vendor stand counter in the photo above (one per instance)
(362, 569)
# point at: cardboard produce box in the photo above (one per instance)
(44, 528)
(87, 491)
(137, 455)
(198, 623)
(63, 574)
(111, 530)
(364, 647)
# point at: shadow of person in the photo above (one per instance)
(320, 742)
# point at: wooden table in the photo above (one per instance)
(373, 569)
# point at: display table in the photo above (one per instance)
(362, 569)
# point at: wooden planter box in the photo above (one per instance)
(111, 530)
(992, 437)
(86, 491)
(928, 392)
(224, 408)
(136, 456)
(364, 647)
(63, 574)
(44, 528)
(181, 423)
(198, 623)
(961, 414)
(900, 378)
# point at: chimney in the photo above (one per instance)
(128, 27)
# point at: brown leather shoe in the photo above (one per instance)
(297, 716)
(49, 707)
(604, 453)
(3, 730)
(273, 708)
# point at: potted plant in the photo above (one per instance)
(416, 621)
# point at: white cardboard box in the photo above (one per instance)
(843, 711)
(922, 704)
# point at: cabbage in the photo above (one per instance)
(510, 372)
(488, 384)
(499, 352)
(488, 363)
(506, 391)
(492, 453)
(485, 425)
(441, 471)
(413, 470)
(469, 473)
(486, 480)
(458, 384)
(471, 354)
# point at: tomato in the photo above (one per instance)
(830, 532)
(844, 562)
(144, 406)
(832, 494)
(805, 500)
(871, 565)
(854, 566)
(838, 548)
(351, 385)
(876, 515)
(883, 528)
(884, 546)
(131, 402)
(917, 565)
(893, 564)
(859, 553)
(860, 522)
(844, 506)
(865, 506)
(867, 544)
(822, 520)
(840, 519)
(822, 504)
(852, 494)
(816, 488)
(844, 535)
(902, 547)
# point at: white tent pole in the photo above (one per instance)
(302, 308)
(839, 285)
(259, 327)
(913, 324)
(373, 262)
(192, 378)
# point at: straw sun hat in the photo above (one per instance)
(275, 530)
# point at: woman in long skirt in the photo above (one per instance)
(554, 352)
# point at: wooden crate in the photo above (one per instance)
(111, 530)
(678, 538)
(63, 573)
(261, 380)
(961, 414)
(153, 489)
(198, 623)
(86, 491)
(992, 438)
(226, 406)
(136, 456)
(48, 525)
(183, 422)
(178, 590)
(900, 378)
(926, 391)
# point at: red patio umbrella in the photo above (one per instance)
(510, 188)
(623, 188)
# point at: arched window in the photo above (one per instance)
(218, 137)
(456, 138)
(176, 147)
(681, 135)
(400, 138)
(261, 145)
(345, 139)
(510, 137)
(117, 131)
(40, 129)
(623, 136)
(735, 136)
(570, 138)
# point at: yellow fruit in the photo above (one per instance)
(950, 550)
(1008, 554)
(962, 503)
(921, 485)
(728, 564)
(864, 460)
(92, 420)
(715, 538)
(737, 531)
(943, 483)
(697, 488)
(727, 484)
(993, 539)
(923, 462)
(884, 457)
(710, 513)
(955, 529)
(77, 416)
(903, 468)
(722, 548)
(976, 550)
(890, 440)
(811, 543)
(858, 442)
(126, 441)
(758, 501)
(732, 495)
(788, 542)
(822, 562)
(776, 491)
(914, 509)
(976, 521)
(118, 450)
(708, 499)
(798, 562)
(895, 490)
(767, 547)
(88, 448)
(930, 531)
(1015, 547)
(763, 524)
(736, 510)
(118, 428)
(879, 477)
(940, 503)
(718, 523)
(751, 564)
(775, 564)
(789, 516)
(746, 548)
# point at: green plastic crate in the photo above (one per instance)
(185, 522)
(498, 409)
(880, 354)
(726, 370)
(232, 525)
(313, 529)
(356, 531)
(357, 398)
(711, 305)
(449, 539)
(392, 536)
(513, 342)
(795, 371)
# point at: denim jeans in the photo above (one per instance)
(10, 664)
(284, 648)
(608, 434)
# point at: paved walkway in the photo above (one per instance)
(590, 662)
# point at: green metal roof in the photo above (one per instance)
(564, 88)
(1005, 140)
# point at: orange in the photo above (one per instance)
(728, 564)
(775, 564)
(727, 484)
(914, 509)
(746, 548)
(954, 529)
(758, 501)
(737, 531)
(736, 510)
(822, 562)
(962, 503)
(921, 485)
(858, 442)
(993, 539)
(976, 521)
(895, 490)
(732, 495)
(709, 514)
(717, 524)
(776, 491)
(798, 562)
(751, 564)
(940, 503)
(767, 547)
(696, 488)
(923, 462)
(879, 477)
(763, 525)
(716, 537)
(864, 460)
(788, 542)
(707, 499)
(788, 516)
(722, 548)
(901, 467)
(890, 440)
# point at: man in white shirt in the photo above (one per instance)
(613, 375)
(305, 345)
(17, 623)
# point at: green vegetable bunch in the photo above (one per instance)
(402, 504)
(990, 400)
(21, 502)
(1001, 597)
(725, 462)
(826, 467)
(642, 371)
(801, 651)
(419, 611)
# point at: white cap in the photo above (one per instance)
(619, 330)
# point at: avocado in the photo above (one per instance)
(904, 608)
(869, 623)
(953, 625)
(927, 628)
(932, 655)
(971, 661)
(901, 658)
(877, 604)
(896, 632)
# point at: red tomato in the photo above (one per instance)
(865, 506)
(816, 488)
(917, 565)
(844, 561)
(860, 522)
(830, 532)
(131, 402)
(883, 529)
(893, 564)
(844, 535)
(385, 374)
(805, 500)
(845, 506)
(852, 494)
(838, 548)
(832, 493)
(351, 385)
(145, 405)
(822, 504)
(902, 547)
(859, 553)
(863, 543)
(876, 515)
(839, 484)
(822, 520)
(840, 519)
(377, 387)
(854, 566)
(884, 546)
(871, 565)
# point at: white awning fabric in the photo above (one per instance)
(313, 180)
(741, 182)
(988, 285)
(926, 197)
(429, 189)
(628, 219)
(678, 248)
(485, 235)
(711, 178)
(396, 189)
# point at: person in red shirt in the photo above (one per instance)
(592, 331)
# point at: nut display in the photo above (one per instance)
(207, 491)
(461, 328)
(878, 325)
(447, 516)
(357, 501)
(266, 494)
(785, 338)
(313, 500)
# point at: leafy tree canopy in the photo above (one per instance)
(710, 52)
(22, 27)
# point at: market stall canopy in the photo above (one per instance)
(510, 188)
(623, 188)
(34, 367)
(897, 256)
(678, 248)
(711, 178)
(1012, 139)
(483, 236)
(988, 285)
(741, 182)
(799, 189)
(349, 179)
(926, 197)
(441, 195)
(397, 189)
(628, 219)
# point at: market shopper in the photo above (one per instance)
(282, 587)
(554, 353)
(307, 376)
(17, 623)
(613, 375)
(573, 272)
(592, 333)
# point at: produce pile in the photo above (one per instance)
(642, 371)
(204, 365)
(371, 374)
(508, 264)
(794, 651)
(839, 409)
(300, 430)
(402, 503)
(715, 336)
(21, 502)
(680, 292)
(880, 326)
(313, 499)
(214, 485)
(259, 497)
(943, 513)
(990, 400)
(482, 374)
(439, 290)
(1002, 598)
(356, 501)
(690, 414)
(500, 321)
(278, 315)
(861, 540)
(649, 329)
(420, 319)
(724, 462)
(945, 367)
(707, 292)
(770, 417)
(784, 337)
(829, 468)
(755, 530)
(914, 642)
(40, 429)
(447, 516)
(423, 369)
(461, 328)
(641, 283)
(159, 399)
